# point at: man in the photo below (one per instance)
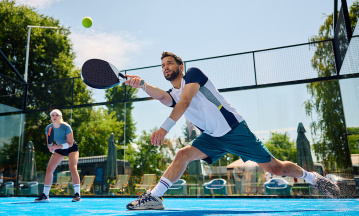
(224, 130)
(2, 185)
(268, 176)
(2, 168)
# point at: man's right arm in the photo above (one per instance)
(158, 94)
(152, 91)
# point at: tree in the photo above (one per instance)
(94, 134)
(51, 55)
(145, 157)
(9, 156)
(281, 147)
(353, 139)
(51, 58)
(331, 144)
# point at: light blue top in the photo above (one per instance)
(59, 133)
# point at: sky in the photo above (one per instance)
(133, 34)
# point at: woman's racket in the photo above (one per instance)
(50, 137)
(100, 74)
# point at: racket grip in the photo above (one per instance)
(130, 78)
(51, 144)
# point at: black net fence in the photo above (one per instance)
(249, 70)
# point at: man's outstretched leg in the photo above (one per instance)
(287, 168)
(152, 200)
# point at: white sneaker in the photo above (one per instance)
(146, 202)
(324, 184)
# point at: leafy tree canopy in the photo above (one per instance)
(281, 147)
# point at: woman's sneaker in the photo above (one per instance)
(146, 202)
(324, 184)
(77, 198)
(42, 198)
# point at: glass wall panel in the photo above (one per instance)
(10, 133)
(351, 63)
(350, 94)
(11, 95)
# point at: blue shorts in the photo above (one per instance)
(239, 141)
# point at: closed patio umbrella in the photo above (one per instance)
(29, 172)
(304, 155)
(111, 162)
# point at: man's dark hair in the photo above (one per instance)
(178, 59)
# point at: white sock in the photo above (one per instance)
(308, 176)
(77, 188)
(162, 186)
(47, 189)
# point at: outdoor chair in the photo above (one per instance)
(120, 186)
(216, 186)
(31, 188)
(277, 186)
(9, 188)
(61, 186)
(148, 182)
(86, 186)
(178, 188)
(303, 189)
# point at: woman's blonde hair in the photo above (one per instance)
(58, 112)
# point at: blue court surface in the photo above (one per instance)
(182, 206)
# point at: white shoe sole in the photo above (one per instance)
(148, 207)
(42, 201)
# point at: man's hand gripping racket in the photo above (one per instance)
(101, 74)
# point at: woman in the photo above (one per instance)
(66, 146)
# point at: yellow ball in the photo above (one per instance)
(87, 22)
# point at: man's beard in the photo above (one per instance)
(173, 75)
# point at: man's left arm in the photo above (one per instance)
(188, 92)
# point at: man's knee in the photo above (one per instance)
(188, 154)
(183, 155)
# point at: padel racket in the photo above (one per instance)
(50, 137)
(101, 74)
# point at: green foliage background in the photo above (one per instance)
(282, 147)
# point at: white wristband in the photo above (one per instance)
(65, 146)
(168, 124)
